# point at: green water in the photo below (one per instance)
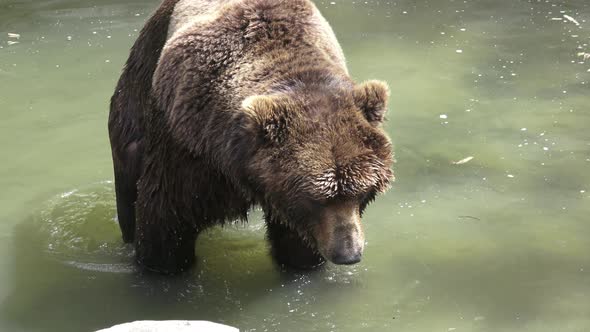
(500, 243)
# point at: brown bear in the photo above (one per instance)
(225, 105)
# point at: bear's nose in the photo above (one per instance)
(348, 249)
(347, 259)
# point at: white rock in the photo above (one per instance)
(172, 325)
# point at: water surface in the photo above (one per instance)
(499, 243)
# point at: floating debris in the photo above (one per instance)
(443, 116)
(571, 19)
(463, 161)
(11, 42)
(13, 35)
(584, 55)
(469, 217)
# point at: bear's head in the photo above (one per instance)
(321, 156)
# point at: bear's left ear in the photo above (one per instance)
(371, 97)
(268, 115)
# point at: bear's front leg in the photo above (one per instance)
(289, 249)
(163, 242)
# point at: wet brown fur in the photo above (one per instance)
(251, 107)
(130, 100)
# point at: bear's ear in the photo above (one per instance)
(268, 116)
(371, 97)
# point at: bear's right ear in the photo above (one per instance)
(371, 97)
(268, 115)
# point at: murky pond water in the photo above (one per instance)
(497, 242)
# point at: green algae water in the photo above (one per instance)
(486, 228)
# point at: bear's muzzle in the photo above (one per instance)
(339, 235)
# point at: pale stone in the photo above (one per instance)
(172, 325)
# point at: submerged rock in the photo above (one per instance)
(172, 325)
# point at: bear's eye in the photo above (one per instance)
(366, 199)
(314, 205)
(367, 196)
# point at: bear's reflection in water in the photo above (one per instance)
(71, 252)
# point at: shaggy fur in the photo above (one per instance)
(250, 103)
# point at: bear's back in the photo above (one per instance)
(190, 15)
(189, 12)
